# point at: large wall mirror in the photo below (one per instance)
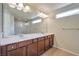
(17, 20)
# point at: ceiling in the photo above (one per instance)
(47, 8)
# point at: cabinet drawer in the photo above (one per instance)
(17, 52)
(11, 47)
(24, 43)
(35, 40)
(41, 38)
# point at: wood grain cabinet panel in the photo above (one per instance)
(50, 41)
(32, 49)
(24, 43)
(11, 47)
(0, 51)
(3, 50)
(17, 52)
(46, 43)
(52, 38)
(50, 44)
(40, 47)
(34, 40)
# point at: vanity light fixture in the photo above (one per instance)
(21, 24)
(68, 13)
(26, 9)
(26, 24)
(20, 6)
(37, 21)
(41, 14)
(12, 5)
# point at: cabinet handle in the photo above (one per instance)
(12, 47)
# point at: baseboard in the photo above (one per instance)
(67, 51)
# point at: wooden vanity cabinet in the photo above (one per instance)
(24, 43)
(19, 49)
(52, 38)
(31, 47)
(11, 49)
(17, 52)
(11, 46)
(3, 50)
(0, 51)
(46, 43)
(50, 41)
(40, 46)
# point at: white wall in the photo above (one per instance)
(66, 31)
(68, 39)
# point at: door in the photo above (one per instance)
(17, 52)
(32, 49)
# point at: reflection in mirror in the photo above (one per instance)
(1, 21)
(17, 21)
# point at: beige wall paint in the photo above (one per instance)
(66, 30)
(68, 39)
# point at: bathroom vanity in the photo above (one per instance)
(27, 46)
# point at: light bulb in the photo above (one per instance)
(37, 21)
(20, 6)
(41, 14)
(26, 24)
(26, 9)
(12, 5)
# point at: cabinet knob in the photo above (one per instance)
(12, 47)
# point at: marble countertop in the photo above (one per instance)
(18, 38)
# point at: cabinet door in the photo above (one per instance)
(51, 44)
(32, 49)
(40, 47)
(46, 44)
(51, 37)
(51, 41)
(0, 51)
(17, 52)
